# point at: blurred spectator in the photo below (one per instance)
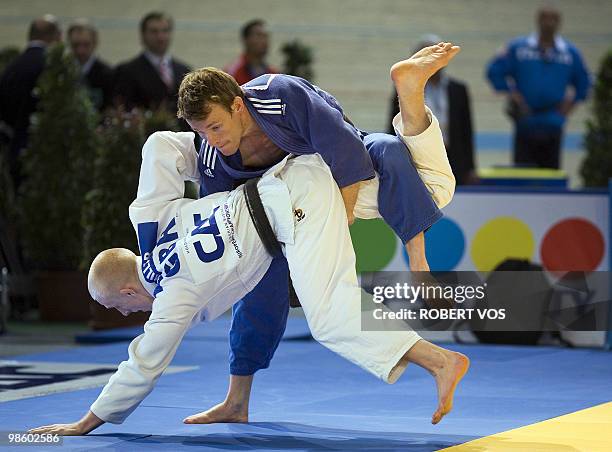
(252, 62)
(7, 56)
(449, 101)
(97, 76)
(536, 71)
(17, 100)
(151, 80)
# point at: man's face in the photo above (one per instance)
(549, 21)
(221, 128)
(256, 43)
(83, 45)
(156, 36)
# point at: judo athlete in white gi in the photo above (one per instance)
(246, 129)
(209, 255)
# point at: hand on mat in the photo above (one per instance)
(87, 423)
(74, 429)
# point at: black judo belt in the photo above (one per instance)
(264, 229)
(260, 219)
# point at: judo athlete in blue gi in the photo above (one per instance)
(247, 129)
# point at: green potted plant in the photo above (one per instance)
(597, 166)
(57, 167)
(298, 59)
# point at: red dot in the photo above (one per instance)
(574, 244)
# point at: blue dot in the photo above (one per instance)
(444, 245)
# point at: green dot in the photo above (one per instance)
(375, 244)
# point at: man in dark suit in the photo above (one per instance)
(96, 75)
(17, 101)
(449, 101)
(151, 80)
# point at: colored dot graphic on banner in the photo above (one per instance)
(374, 244)
(499, 239)
(444, 245)
(574, 244)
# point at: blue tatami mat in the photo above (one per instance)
(311, 399)
(297, 328)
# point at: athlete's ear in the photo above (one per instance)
(237, 104)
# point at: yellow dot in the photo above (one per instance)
(500, 239)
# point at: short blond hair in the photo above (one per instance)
(110, 272)
(202, 88)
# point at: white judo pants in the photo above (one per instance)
(322, 266)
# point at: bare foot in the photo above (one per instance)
(224, 412)
(447, 377)
(414, 72)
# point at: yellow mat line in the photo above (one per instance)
(588, 430)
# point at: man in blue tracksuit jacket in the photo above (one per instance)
(247, 129)
(536, 71)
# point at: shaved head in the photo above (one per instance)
(111, 271)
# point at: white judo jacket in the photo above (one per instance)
(207, 256)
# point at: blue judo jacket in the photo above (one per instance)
(300, 119)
